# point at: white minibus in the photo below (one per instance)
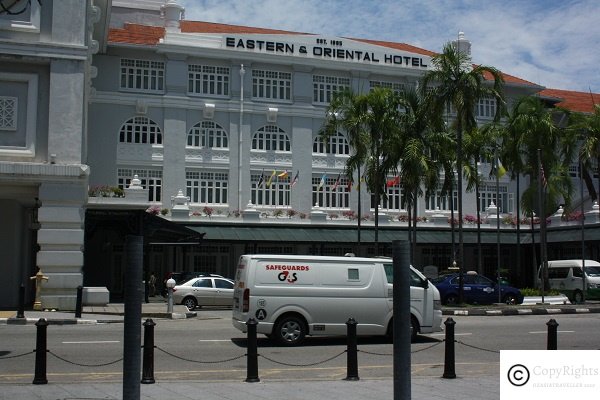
(566, 276)
(295, 296)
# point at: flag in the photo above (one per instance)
(295, 180)
(349, 184)
(282, 175)
(543, 177)
(498, 169)
(395, 181)
(261, 180)
(322, 182)
(271, 178)
(337, 182)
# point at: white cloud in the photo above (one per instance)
(550, 42)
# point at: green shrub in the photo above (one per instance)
(538, 292)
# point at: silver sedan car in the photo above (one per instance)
(204, 291)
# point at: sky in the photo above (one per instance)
(553, 43)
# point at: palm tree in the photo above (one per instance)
(413, 152)
(371, 122)
(456, 83)
(589, 126)
(539, 136)
(538, 126)
(512, 159)
(478, 144)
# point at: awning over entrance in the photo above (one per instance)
(316, 234)
(139, 222)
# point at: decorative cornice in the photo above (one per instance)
(38, 170)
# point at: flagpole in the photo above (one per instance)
(498, 225)
(359, 216)
(544, 267)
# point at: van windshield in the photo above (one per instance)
(592, 271)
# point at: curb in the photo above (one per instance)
(78, 321)
(522, 311)
(31, 321)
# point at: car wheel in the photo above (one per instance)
(190, 302)
(290, 330)
(510, 299)
(451, 299)
(414, 329)
(577, 297)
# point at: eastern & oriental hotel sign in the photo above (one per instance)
(326, 49)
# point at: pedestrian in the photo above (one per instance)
(152, 284)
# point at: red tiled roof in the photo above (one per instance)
(508, 78)
(212, 27)
(574, 101)
(136, 34)
(397, 46)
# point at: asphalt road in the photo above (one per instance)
(211, 349)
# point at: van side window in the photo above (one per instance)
(353, 274)
(577, 272)
(389, 272)
(558, 273)
(415, 280)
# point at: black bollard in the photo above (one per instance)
(352, 356)
(449, 368)
(252, 365)
(79, 302)
(552, 335)
(148, 356)
(41, 347)
(21, 309)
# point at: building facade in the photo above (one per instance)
(45, 48)
(220, 124)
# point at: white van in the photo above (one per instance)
(566, 276)
(295, 296)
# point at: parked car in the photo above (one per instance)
(477, 289)
(204, 291)
(182, 277)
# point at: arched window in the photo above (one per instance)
(207, 134)
(335, 144)
(140, 130)
(271, 138)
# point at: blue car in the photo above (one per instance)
(477, 289)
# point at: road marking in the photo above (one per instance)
(540, 332)
(214, 340)
(443, 334)
(94, 342)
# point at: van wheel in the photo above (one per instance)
(290, 330)
(414, 329)
(190, 303)
(577, 297)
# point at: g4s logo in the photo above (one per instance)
(285, 275)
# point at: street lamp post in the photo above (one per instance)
(170, 285)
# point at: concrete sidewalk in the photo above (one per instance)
(422, 388)
(111, 313)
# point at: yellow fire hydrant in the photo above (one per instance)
(39, 277)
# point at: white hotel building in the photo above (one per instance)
(220, 119)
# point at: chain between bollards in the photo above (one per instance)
(552, 334)
(148, 355)
(352, 357)
(252, 349)
(449, 363)
(41, 347)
